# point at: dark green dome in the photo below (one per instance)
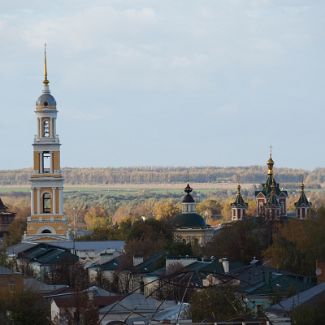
(189, 220)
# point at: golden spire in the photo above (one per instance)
(270, 163)
(45, 81)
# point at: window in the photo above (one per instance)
(46, 203)
(46, 231)
(46, 128)
(46, 160)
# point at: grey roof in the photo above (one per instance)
(42, 287)
(46, 100)
(136, 302)
(299, 299)
(18, 248)
(91, 245)
(98, 291)
(173, 313)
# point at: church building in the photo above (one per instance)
(271, 199)
(47, 221)
(189, 226)
(303, 206)
(239, 207)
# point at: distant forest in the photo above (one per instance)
(170, 175)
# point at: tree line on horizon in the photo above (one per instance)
(170, 175)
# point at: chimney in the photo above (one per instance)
(225, 264)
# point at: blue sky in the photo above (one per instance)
(166, 83)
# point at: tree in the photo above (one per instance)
(298, 244)
(15, 231)
(24, 308)
(216, 304)
(96, 217)
(240, 241)
(210, 209)
(166, 209)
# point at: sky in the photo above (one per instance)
(166, 82)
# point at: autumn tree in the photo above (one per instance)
(210, 209)
(25, 308)
(216, 304)
(166, 209)
(298, 244)
(240, 241)
(96, 217)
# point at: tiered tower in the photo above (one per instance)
(303, 206)
(47, 221)
(271, 191)
(239, 207)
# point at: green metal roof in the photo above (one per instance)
(303, 201)
(189, 220)
(280, 283)
(267, 187)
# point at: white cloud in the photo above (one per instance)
(223, 58)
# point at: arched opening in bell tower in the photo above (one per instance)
(46, 162)
(46, 128)
(46, 202)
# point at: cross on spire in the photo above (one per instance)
(45, 81)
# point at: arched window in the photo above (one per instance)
(46, 231)
(46, 203)
(46, 161)
(46, 128)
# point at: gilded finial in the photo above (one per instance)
(302, 186)
(238, 187)
(270, 163)
(45, 81)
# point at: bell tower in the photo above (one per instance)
(47, 221)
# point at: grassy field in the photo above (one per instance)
(125, 189)
(136, 187)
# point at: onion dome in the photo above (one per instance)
(46, 100)
(188, 198)
(270, 164)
